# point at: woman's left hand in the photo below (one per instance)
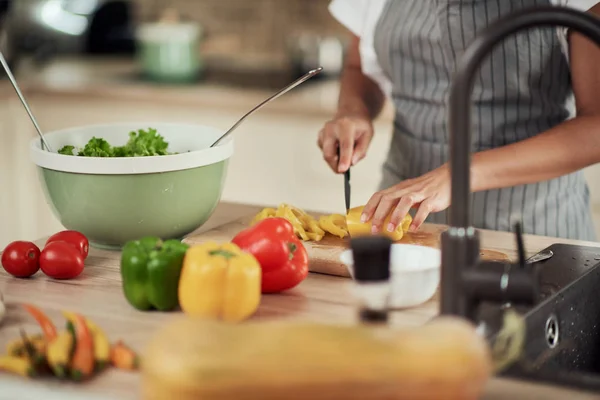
(428, 193)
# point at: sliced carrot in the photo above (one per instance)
(42, 319)
(82, 363)
(122, 357)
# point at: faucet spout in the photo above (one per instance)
(460, 243)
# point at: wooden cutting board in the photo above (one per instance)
(325, 254)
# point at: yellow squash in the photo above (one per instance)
(16, 347)
(194, 359)
(59, 353)
(101, 343)
(358, 228)
(219, 281)
(17, 365)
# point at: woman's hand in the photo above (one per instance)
(429, 193)
(360, 101)
(352, 134)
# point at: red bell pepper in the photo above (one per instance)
(282, 256)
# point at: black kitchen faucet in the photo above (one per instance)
(465, 280)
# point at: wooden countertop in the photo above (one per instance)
(97, 294)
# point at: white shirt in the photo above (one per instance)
(361, 16)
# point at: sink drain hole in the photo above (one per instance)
(552, 331)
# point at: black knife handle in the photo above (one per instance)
(347, 173)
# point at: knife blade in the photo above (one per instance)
(346, 183)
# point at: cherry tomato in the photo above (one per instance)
(61, 260)
(21, 259)
(75, 238)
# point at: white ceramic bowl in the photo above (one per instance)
(415, 273)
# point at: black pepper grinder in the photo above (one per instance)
(372, 287)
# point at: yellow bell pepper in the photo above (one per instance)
(219, 281)
(358, 228)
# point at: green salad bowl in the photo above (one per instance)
(115, 200)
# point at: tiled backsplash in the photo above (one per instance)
(249, 27)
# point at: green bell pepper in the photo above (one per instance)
(150, 270)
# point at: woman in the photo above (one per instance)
(528, 151)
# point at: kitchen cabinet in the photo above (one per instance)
(276, 158)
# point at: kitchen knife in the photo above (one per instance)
(346, 183)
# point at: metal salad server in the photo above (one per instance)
(286, 89)
(13, 81)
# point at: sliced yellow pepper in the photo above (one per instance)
(296, 219)
(334, 224)
(306, 227)
(265, 213)
(358, 228)
(219, 281)
(314, 230)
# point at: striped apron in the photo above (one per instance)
(521, 90)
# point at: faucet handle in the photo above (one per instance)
(501, 282)
(505, 282)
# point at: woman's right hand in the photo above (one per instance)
(352, 134)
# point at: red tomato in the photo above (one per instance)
(61, 260)
(21, 259)
(75, 238)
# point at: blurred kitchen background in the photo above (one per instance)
(201, 61)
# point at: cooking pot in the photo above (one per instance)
(168, 50)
